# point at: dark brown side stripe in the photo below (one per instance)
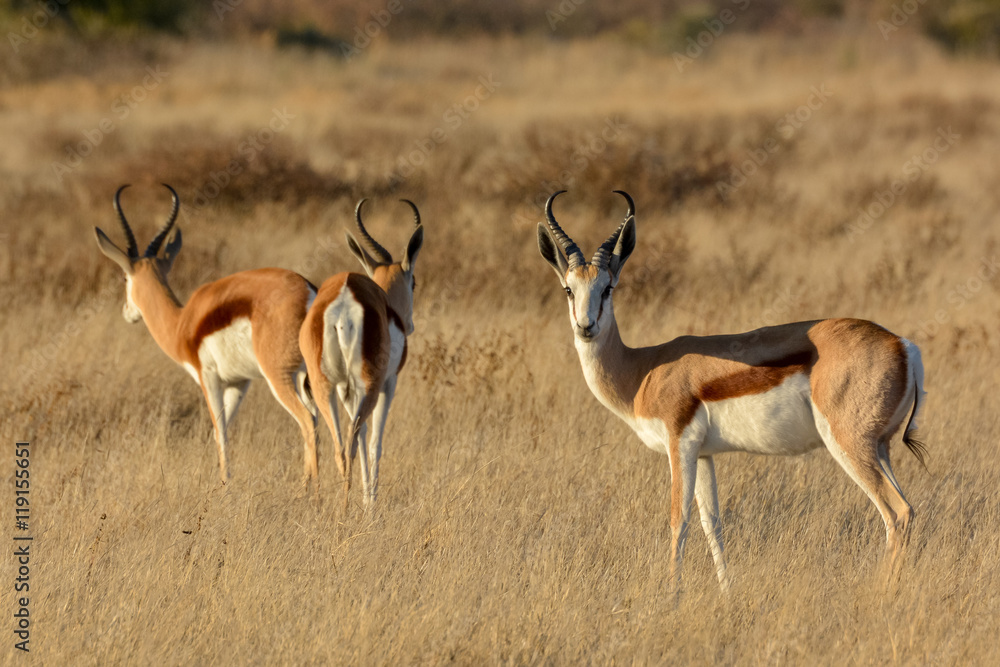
(746, 381)
(756, 379)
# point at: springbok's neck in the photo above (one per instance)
(397, 297)
(161, 311)
(613, 370)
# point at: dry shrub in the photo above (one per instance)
(457, 18)
(919, 193)
(659, 166)
(59, 51)
(204, 164)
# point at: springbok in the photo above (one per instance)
(354, 340)
(843, 383)
(230, 331)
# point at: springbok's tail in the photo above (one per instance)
(916, 366)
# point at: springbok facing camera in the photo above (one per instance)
(843, 383)
(231, 331)
(354, 340)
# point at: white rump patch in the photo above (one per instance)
(342, 336)
(915, 365)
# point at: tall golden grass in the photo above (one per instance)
(519, 521)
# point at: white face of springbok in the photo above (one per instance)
(395, 278)
(588, 285)
(148, 271)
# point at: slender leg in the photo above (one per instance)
(356, 431)
(214, 392)
(683, 473)
(338, 437)
(359, 409)
(378, 429)
(303, 390)
(347, 444)
(901, 508)
(869, 467)
(707, 494)
(361, 443)
(899, 535)
(326, 403)
(232, 396)
(284, 390)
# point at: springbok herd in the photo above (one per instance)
(844, 384)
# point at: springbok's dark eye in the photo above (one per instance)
(607, 292)
(569, 292)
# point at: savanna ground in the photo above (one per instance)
(519, 521)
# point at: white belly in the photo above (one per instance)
(653, 432)
(229, 352)
(778, 422)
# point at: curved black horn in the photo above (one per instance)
(154, 245)
(603, 255)
(133, 248)
(572, 250)
(631, 204)
(381, 254)
(416, 213)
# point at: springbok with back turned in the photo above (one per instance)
(354, 343)
(841, 383)
(230, 331)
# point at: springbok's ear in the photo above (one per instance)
(413, 248)
(624, 248)
(361, 254)
(551, 253)
(170, 251)
(113, 252)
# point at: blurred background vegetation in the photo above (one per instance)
(960, 25)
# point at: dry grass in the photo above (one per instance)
(519, 521)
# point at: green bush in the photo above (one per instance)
(964, 25)
(165, 15)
